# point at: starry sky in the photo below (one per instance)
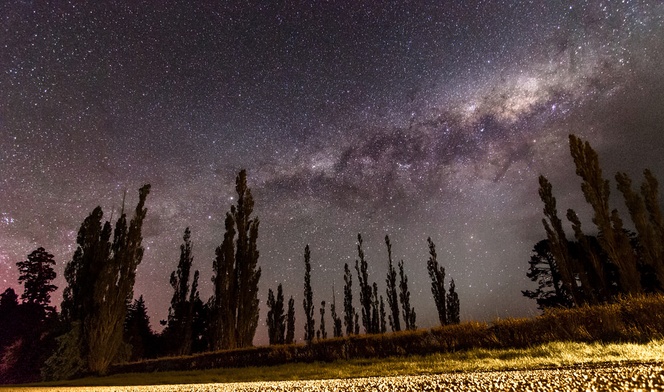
(408, 118)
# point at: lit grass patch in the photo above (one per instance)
(555, 354)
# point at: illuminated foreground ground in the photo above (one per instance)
(648, 377)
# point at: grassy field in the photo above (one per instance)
(556, 354)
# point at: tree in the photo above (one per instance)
(611, 236)
(322, 333)
(336, 320)
(383, 324)
(100, 279)
(138, 332)
(290, 322)
(409, 315)
(453, 305)
(308, 301)
(36, 273)
(437, 275)
(558, 244)
(350, 316)
(9, 317)
(276, 320)
(544, 270)
(181, 312)
(236, 275)
(391, 290)
(367, 301)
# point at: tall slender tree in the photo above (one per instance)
(100, 279)
(453, 305)
(383, 324)
(290, 322)
(391, 290)
(366, 291)
(276, 320)
(612, 237)
(322, 332)
(308, 301)
(350, 316)
(235, 299)
(437, 275)
(336, 320)
(409, 315)
(178, 331)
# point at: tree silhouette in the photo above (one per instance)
(391, 290)
(276, 320)
(178, 331)
(236, 275)
(322, 333)
(336, 320)
(453, 305)
(368, 302)
(36, 273)
(290, 322)
(138, 332)
(350, 316)
(437, 275)
(409, 315)
(308, 301)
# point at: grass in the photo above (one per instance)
(554, 354)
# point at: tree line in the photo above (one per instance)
(100, 322)
(592, 269)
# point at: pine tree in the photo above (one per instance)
(290, 322)
(544, 270)
(437, 275)
(409, 315)
(612, 237)
(181, 312)
(350, 316)
(322, 333)
(276, 320)
(453, 305)
(36, 273)
(235, 299)
(137, 330)
(391, 291)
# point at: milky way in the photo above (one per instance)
(418, 119)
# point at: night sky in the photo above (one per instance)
(413, 119)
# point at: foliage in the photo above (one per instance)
(453, 305)
(391, 290)
(350, 316)
(138, 333)
(36, 273)
(179, 329)
(409, 315)
(234, 305)
(368, 292)
(308, 301)
(437, 275)
(322, 333)
(276, 320)
(290, 322)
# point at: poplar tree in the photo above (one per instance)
(383, 324)
(181, 312)
(611, 236)
(350, 316)
(322, 333)
(236, 275)
(366, 292)
(437, 275)
(557, 241)
(336, 320)
(276, 320)
(290, 322)
(308, 301)
(100, 279)
(409, 315)
(453, 305)
(391, 290)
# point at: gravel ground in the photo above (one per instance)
(636, 377)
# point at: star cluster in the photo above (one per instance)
(412, 119)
